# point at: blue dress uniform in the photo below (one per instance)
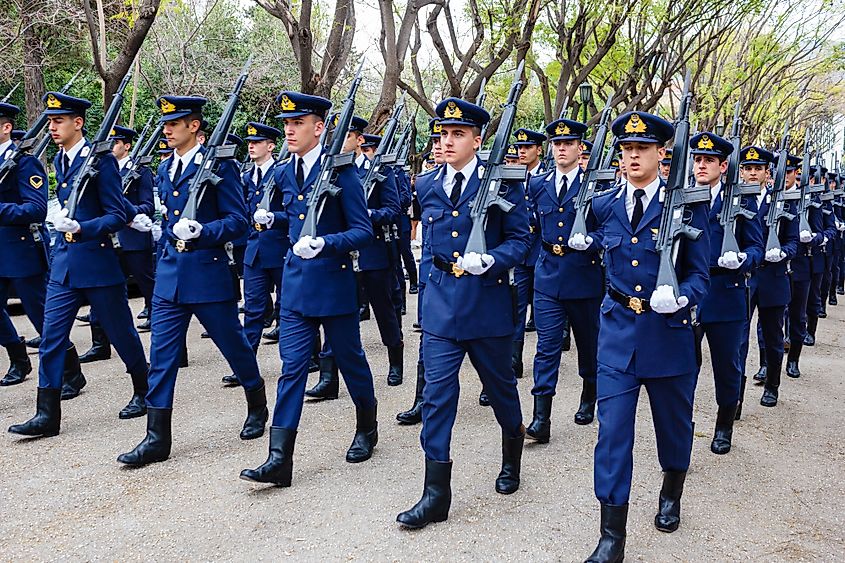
(193, 278)
(23, 208)
(266, 246)
(523, 273)
(724, 313)
(771, 294)
(466, 314)
(84, 266)
(830, 250)
(320, 290)
(820, 262)
(639, 347)
(568, 285)
(406, 196)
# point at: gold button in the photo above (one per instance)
(560, 209)
(635, 263)
(102, 244)
(456, 254)
(215, 258)
(559, 238)
(500, 281)
(176, 193)
(526, 197)
(593, 262)
(257, 192)
(736, 285)
(430, 219)
(638, 287)
(64, 184)
(23, 238)
(302, 215)
(454, 234)
(176, 212)
(455, 213)
(300, 197)
(560, 223)
(634, 240)
(65, 202)
(685, 321)
(343, 266)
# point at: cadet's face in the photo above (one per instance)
(260, 151)
(370, 152)
(352, 142)
(303, 133)
(640, 161)
(752, 173)
(529, 155)
(65, 128)
(664, 169)
(791, 178)
(120, 149)
(708, 169)
(181, 133)
(6, 128)
(459, 144)
(583, 160)
(566, 153)
(437, 151)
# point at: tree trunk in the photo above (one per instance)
(33, 63)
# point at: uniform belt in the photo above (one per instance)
(636, 304)
(720, 271)
(182, 245)
(449, 267)
(557, 249)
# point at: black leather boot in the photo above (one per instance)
(436, 498)
(516, 357)
(823, 312)
(531, 326)
(483, 399)
(272, 335)
(508, 480)
(183, 358)
(278, 469)
(100, 346)
(48, 415)
(230, 381)
(792, 360)
(812, 324)
(34, 342)
(314, 362)
(721, 443)
(395, 357)
(329, 383)
(832, 300)
(587, 407)
(144, 326)
(19, 364)
(760, 376)
(144, 314)
(540, 428)
(366, 435)
(770, 389)
(567, 336)
(414, 415)
(364, 312)
(669, 507)
(137, 404)
(256, 413)
(155, 446)
(611, 547)
(72, 379)
(742, 384)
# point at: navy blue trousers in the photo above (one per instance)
(32, 293)
(259, 283)
(798, 311)
(523, 278)
(726, 341)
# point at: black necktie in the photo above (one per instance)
(638, 208)
(178, 173)
(563, 187)
(66, 163)
(258, 178)
(300, 172)
(456, 189)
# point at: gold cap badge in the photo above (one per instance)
(752, 154)
(453, 111)
(562, 129)
(635, 124)
(162, 145)
(705, 142)
(53, 102)
(522, 136)
(436, 128)
(287, 104)
(251, 130)
(112, 133)
(583, 147)
(167, 107)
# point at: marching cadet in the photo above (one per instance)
(665, 164)
(414, 414)
(568, 282)
(723, 313)
(511, 156)
(319, 289)
(820, 260)
(84, 266)
(530, 146)
(23, 208)
(644, 341)
(193, 278)
(467, 307)
(586, 151)
(770, 292)
(831, 249)
(832, 280)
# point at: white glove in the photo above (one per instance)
(824, 242)
(775, 255)
(308, 247)
(663, 300)
(141, 223)
(806, 236)
(840, 226)
(475, 264)
(162, 209)
(156, 230)
(369, 212)
(263, 217)
(65, 225)
(580, 242)
(187, 229)
(731, 260)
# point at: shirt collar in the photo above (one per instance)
(467, 171)
(310, 158)
(74, 150)
(650, 190)
(714, 192)
(360, 160)
(570, 177)
(263, 167)
(4, 147)
(535, 170)
(121, 164)
(185, 158)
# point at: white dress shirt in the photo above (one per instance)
(449, 180)
(630, 200)
(3, 148)
(264, 169)
(714, 193)
(185, 158)
(309, 159)
(570, 178)
(73, 151)
(121, 164)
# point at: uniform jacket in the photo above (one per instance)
(771, 280)
(139, 199)
(23, 201)
(266, 248)
(384, 209)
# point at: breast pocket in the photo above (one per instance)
(432, 218)
(612, 249)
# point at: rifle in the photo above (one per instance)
(216, 151)
(587, 189)
(672, 225)
(9, 95)
(141, 156)
(101, 146)
(777, 209)
(549, 161)
(495, 171)
(332, 161)
(806, 200)
(381, 158)
(734, 191)
(269, 188)
(141, 137)
(28, 145)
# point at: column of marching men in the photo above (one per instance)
(598, 281)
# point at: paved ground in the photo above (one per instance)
(777, 496)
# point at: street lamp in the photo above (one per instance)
(585, 91)
(720, 129)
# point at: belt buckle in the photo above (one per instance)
(69, 237)
(636, 305)
(259, 227)
(557, 249)
(457, 271)
(181, 245)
